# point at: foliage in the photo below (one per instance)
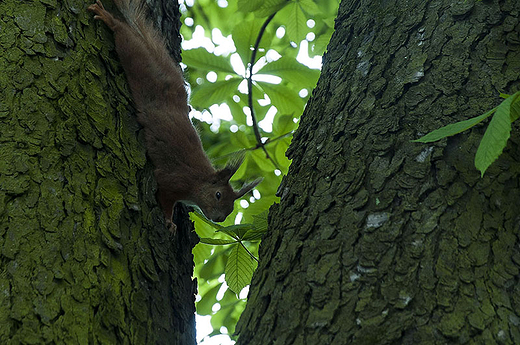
(241, 262)
(495, 138)
(231, 247)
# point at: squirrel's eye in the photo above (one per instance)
(218, 195)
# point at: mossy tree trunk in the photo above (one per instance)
(378, 240)
(84, 254)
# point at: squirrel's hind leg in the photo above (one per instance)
(167, 207)
(170, 225)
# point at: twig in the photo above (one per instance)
(250, 85)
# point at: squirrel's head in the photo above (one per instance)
(216, 197)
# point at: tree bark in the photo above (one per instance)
(378, 240)
(85, 256)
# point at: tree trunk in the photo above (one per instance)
(378, 240)
(85, 256)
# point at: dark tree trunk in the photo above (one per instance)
(85, 257)
(378, 240)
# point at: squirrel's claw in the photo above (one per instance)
(101, 14)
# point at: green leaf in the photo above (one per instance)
(269, 7)
(280, 150)
(283, 98)
(215, 264)
(260, 110)
(260, 227)
(207, 94)
(260, 221)
(258, 156)
(296, 22)
(243, 170)
(209, 284)
(496, 136)
(319, 45)
(241, 140)
(206, 61)
(244, 36)
(515, 107)
(254, 235)
(232, 308)
(239, 268)
(292, 71)
(205, 305)
(228, 315)
(265, 201)
(237, 230)
(284, 124)
(204, 228)
(249, 5)
(216, 241)
(200, 253)
(310, 7)
(236, 109)
(453, 128)
(200, 216)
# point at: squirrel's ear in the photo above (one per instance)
(247, 187)
(231, 167)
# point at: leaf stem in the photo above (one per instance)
(248, 252)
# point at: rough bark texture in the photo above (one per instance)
(378, 240)
(85, 257)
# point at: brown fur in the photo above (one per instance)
(182, 169)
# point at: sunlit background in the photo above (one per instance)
(215, 42)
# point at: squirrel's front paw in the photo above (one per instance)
(97, 8)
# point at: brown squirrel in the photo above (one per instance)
(182, 169)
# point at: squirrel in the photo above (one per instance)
(182, 169)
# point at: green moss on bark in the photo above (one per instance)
(84, 254)
(429, 250)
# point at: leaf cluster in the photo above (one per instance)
(241, 263)
(495, 137)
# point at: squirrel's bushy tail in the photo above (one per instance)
(151, 71)
(134, 13)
